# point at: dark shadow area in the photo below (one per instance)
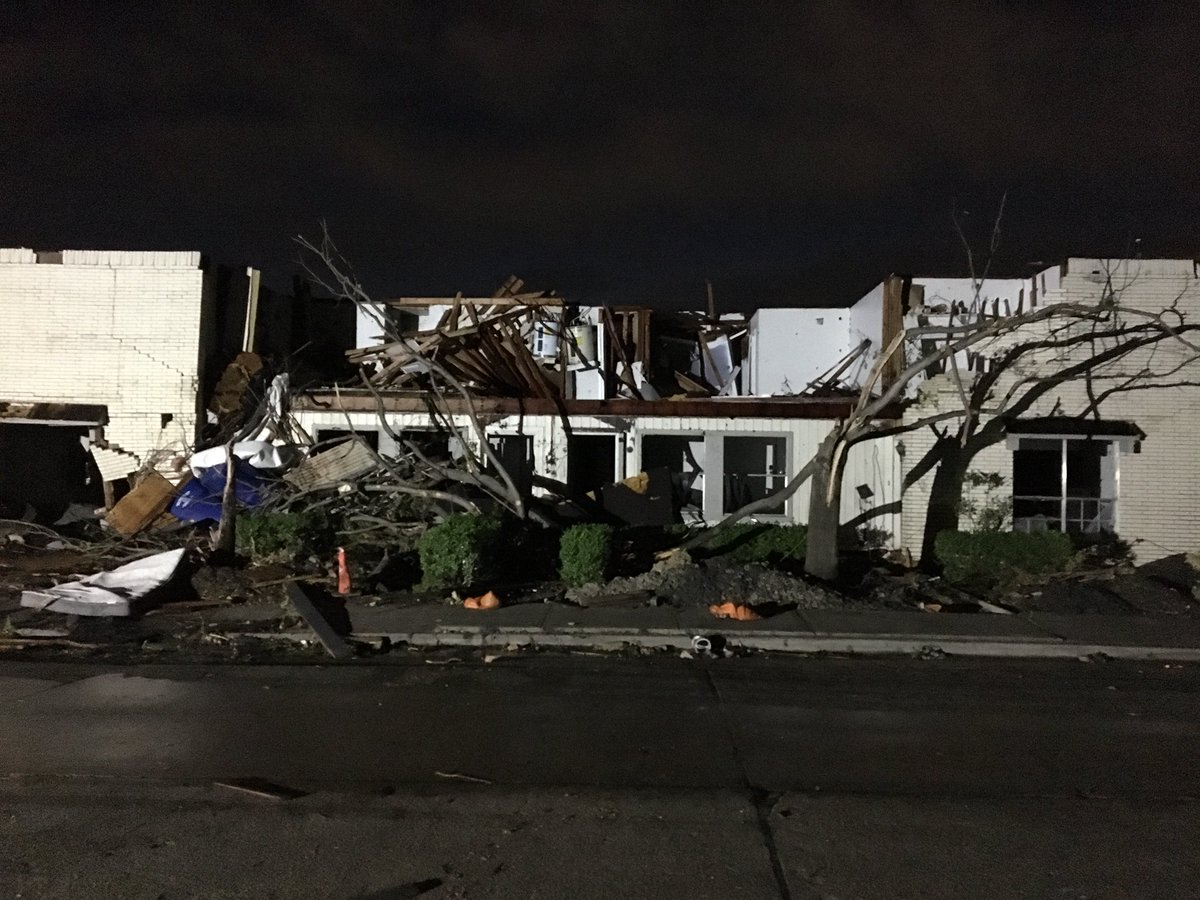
(47, 468)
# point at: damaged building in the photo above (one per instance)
(106, 357)
(729, 407)
(113, 365)
(709, 412)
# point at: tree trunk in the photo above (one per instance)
(825, 514)
(945, 498)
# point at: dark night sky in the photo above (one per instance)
(794, 153)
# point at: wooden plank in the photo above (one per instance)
(692, 385)
(498, 359)
(892, 325)
(526, 363)
(316, 617)
(480, 302)
(512, 284)
(627, 378)
(829, 379)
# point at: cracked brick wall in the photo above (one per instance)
(121, 328)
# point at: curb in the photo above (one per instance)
(854, 645)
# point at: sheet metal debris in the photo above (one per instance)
(113, 593)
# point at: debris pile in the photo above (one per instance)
(506, 346)
(681, 581)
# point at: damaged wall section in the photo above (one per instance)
(117, 328)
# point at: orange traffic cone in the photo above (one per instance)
(487, 601)
(731, 610)
(343, 572)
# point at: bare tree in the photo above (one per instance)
(1028, 354)
(1117, 350)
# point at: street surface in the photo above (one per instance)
(584, 776)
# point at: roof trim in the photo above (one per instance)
(1073, 426)
(831, 408)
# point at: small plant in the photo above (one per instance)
(989, 557)
(459, 551)
(584, 553)
(267, 535)
(747, 542)
(984, 509)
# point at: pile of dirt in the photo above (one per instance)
(681, 581)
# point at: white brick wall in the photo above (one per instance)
(1158, 503)
(121, 328)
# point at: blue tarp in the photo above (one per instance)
(200, 499)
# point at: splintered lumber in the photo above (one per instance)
(511, 286)
(627, 377)
(828, 380)
(481, 342)
(692, 386)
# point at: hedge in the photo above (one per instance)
(262, 535)
(748, 542)
(584, 552)
(460, 551)
(995, 555)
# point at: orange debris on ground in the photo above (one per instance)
(343, 572)
(487, 601)
(731, 610)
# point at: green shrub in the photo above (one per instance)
(459, 551)
(262, 535)
(991, 556)
(584, 553)
(747, 542)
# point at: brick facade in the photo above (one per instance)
(1158, 498)
(123, 329)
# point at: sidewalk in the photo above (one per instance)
(554, 626)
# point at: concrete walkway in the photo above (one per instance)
(555, 626)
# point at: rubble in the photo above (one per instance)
(680, 581)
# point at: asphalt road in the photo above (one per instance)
(598, 777)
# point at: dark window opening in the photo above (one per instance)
(1064, 484)
(755, 467)
(515, 452)
(683, 456)
(591, 462)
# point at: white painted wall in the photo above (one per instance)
(791, 347)
(367, 330)
(866, 323)
(119, 328)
